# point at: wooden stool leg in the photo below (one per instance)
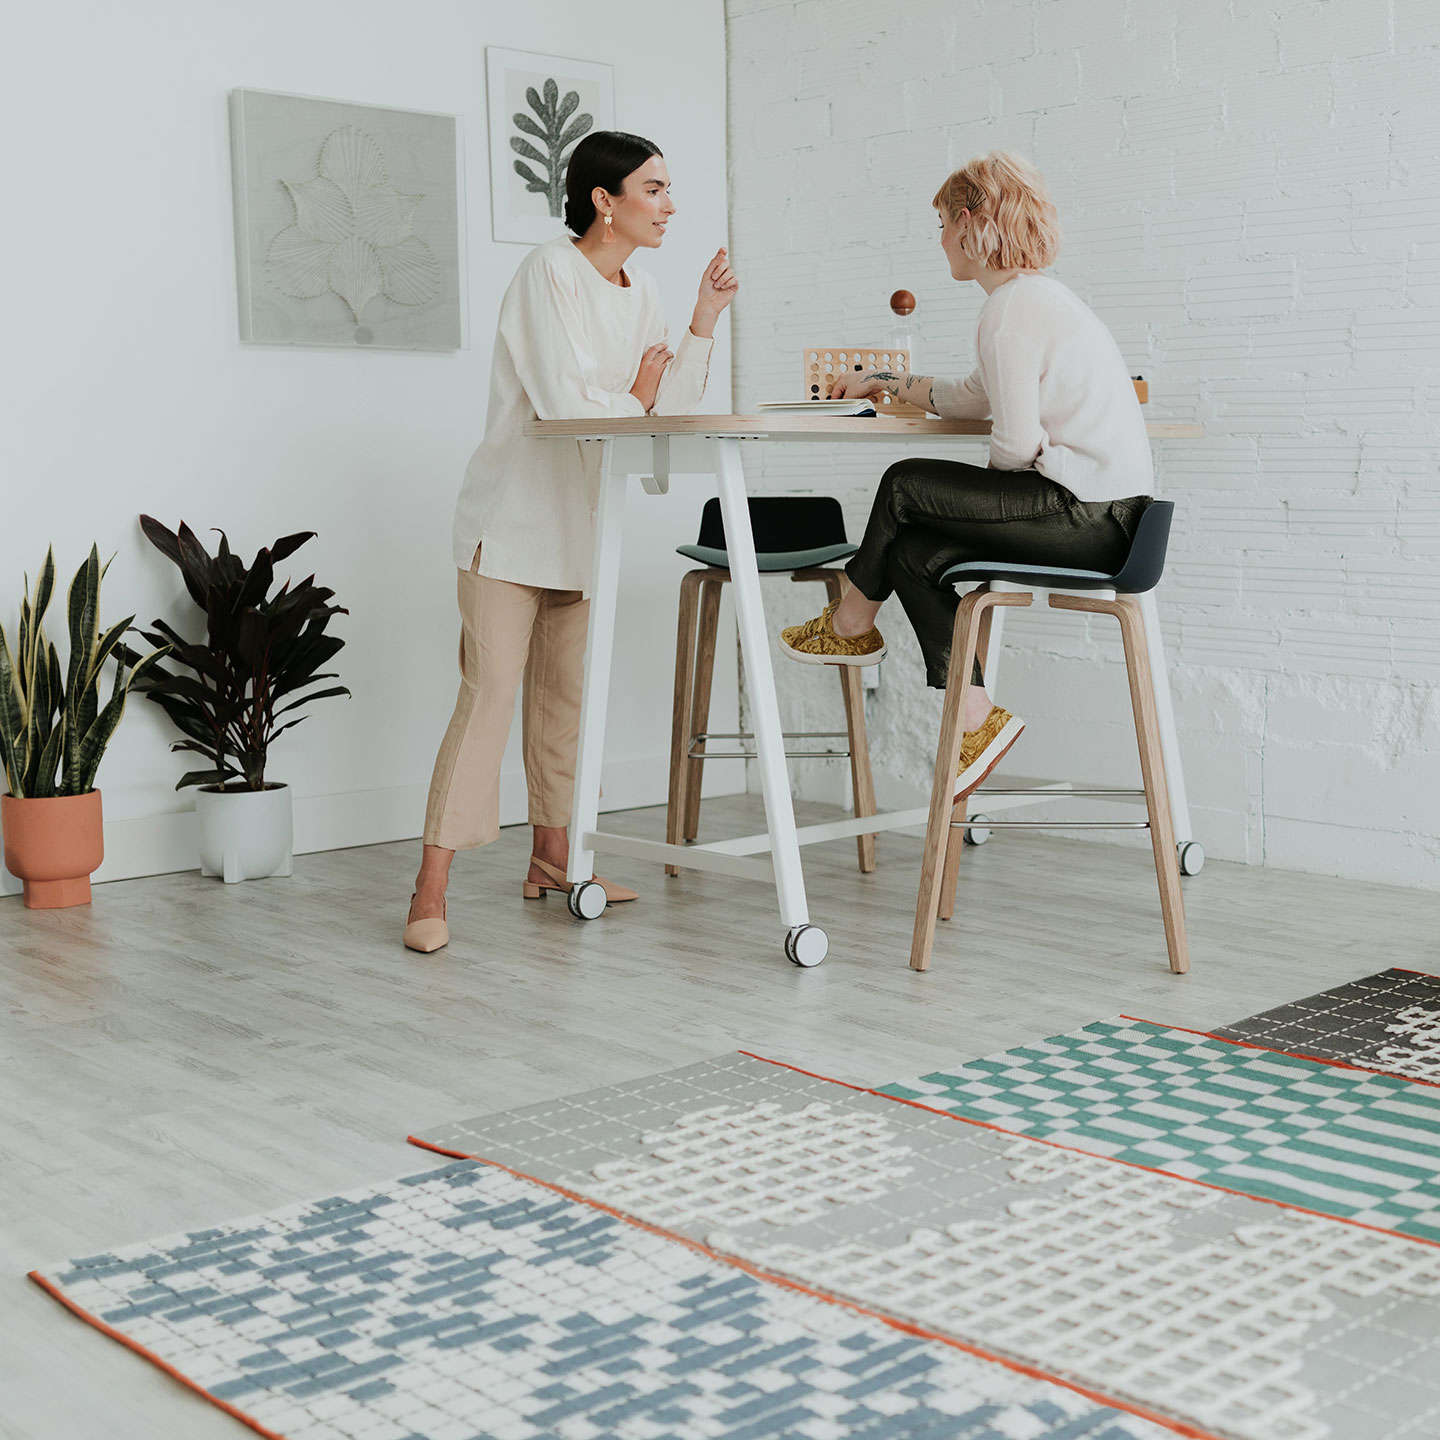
(680, 713)
(954, 853)
(862, 781)
(709, 629)
(938, 836)
(1152, 772)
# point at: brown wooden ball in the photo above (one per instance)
(902, 302)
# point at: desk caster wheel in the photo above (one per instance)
(587, 900)
(976, 833)
(806, 945)
(1191, 857)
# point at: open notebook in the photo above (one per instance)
(819, 407)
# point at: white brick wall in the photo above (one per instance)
(1249, 197)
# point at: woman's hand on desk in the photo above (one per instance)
(652, 367)
(864, 385)
(718, 287)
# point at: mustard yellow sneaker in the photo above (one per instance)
(816, 643)
(982, 750)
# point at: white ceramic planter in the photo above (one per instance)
(245, 834)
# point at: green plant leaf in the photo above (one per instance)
(525, 123)
(567, 106)
(44, 587)
(44, 786)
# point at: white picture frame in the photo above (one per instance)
(522, 83)
(348, 223)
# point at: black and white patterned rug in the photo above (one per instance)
(1389, 1022)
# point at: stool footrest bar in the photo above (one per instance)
(1045, 790)
(1050, 824)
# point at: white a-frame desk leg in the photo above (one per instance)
(595, 696)
(805, 944)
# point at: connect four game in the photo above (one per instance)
(823, 363)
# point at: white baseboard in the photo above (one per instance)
(160, 844)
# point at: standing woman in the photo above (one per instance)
(579, 336)
(1070, 470)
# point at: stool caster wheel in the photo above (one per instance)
(976, 833)
(806, 945)
(587, 900)
(1191, 857)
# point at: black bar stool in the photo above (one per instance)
(798, 535)
(1144, 564)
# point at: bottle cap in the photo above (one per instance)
(902, 302)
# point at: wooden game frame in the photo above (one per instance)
(822, 363)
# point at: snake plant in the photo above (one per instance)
(53, 727)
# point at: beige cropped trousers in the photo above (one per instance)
(507, 632)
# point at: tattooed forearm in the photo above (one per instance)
(916, 389)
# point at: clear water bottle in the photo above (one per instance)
(902, 324)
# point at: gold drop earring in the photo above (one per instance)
(609, 237)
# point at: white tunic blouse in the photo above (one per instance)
(568, 347)
(1054, 384)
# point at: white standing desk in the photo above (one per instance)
(705, 445)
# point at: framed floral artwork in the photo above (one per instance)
(541, 107)
(347, 223)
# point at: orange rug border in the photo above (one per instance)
(56, 1293)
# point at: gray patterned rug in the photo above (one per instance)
(1232, 1314)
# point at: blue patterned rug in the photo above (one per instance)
(466, 1303)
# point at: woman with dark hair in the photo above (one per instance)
(579, 336)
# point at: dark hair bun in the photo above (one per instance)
(603, 158)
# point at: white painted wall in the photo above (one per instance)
(126, 388)
(1250, 198)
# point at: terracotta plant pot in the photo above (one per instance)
(54, 846)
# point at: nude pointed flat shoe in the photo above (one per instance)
(535, 889)
(427, 935)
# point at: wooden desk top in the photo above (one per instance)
(787, 425)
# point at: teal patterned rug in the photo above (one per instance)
(1339, 1141)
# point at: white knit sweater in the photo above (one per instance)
(568, 348)
(1051, 379)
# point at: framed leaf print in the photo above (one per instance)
(541, 107)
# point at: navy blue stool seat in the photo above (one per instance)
(798, 535)
(792, 532)
(1141, 571)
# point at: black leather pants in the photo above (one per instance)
(931, 514)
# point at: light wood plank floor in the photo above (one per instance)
(183, 1053)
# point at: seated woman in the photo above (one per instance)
(1070, 469)
(580, 335)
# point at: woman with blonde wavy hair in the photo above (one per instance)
(1070, 469)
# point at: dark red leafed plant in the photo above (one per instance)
(228, 694)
